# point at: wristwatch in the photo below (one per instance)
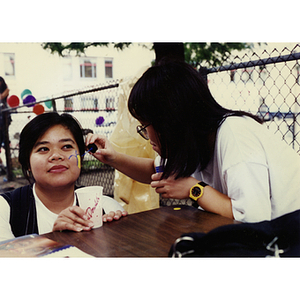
(196, 191)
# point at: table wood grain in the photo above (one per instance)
(145, 234)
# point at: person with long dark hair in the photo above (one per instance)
(226, 161)
(51, 150)
(4, 92)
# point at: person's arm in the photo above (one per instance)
(137, 168)
(212, 200)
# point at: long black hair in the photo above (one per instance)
(3, 85)
(37, 127)
(176, 100)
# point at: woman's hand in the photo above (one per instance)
(171, 187)
(212, 200)
(112, 215)
(72, 218)
(105, 152)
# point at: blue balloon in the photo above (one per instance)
(99, 121)
(29, 101)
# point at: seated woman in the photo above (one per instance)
(51, 150)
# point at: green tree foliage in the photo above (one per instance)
(65, 48)
(196, 54)
(210, 54)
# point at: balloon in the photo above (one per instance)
(99, 121)
(48, 103)
(25, 93)
(29, 100)
(38, 109)
(13, 101)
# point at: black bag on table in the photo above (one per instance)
(279, 237)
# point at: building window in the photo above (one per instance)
(108, 68)
(68, 104)
(110, 103)
(88, 68)
(89, 103)
(9, 64)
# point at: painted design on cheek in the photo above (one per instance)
(77, 157)
(92, 149)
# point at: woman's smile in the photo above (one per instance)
(58, 169)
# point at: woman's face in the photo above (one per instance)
(154, 141)
(55, 158)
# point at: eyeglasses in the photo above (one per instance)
(142, 131)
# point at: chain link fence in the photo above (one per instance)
(265, 84)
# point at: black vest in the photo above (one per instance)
(23, 218)
(22, 211)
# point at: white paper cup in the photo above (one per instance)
(90, 200)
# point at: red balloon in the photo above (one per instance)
(13, 101)
(38, 109)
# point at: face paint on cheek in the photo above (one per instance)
(92, 149)
(77, 157)
(78, 161)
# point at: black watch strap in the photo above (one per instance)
(202, 183)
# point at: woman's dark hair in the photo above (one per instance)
(37, 127)
(3, 85)
(176, 100)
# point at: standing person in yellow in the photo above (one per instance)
(134, 196)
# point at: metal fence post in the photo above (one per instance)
(54, 105)
(203, 72)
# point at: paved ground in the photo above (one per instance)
(10, 185)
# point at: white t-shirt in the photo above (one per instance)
(257, 170)
(45, 217)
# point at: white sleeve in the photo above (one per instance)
(110, 204)
(5, 229)
(248, 187)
